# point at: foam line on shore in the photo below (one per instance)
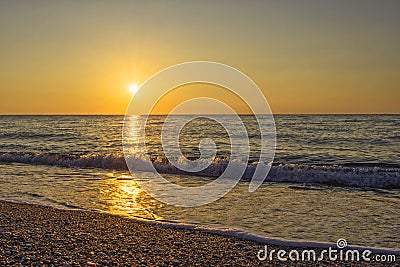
(239, 233)
(226, 231)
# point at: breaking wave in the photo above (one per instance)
(354, 175)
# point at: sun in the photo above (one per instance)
(133, 88)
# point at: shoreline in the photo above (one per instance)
(230, 232)
(40, 235)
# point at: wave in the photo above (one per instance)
(65, 160)
(29, 135)
(382, 176)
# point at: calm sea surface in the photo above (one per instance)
(333, 176)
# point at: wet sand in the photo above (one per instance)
(33, 235)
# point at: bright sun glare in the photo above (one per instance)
(133, 88)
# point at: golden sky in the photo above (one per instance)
(74, 57)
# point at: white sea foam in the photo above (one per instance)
(375, 177)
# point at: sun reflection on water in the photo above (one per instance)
(132, 136)
(122, 196)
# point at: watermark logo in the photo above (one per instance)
(341, 243)
(331, 254)
(152, 90)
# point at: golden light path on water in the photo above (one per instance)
(122, 196)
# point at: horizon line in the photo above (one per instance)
(165, 114)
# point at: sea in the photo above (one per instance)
(333, 176)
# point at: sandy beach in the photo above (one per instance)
(33, 235)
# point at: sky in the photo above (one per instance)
(79, 57)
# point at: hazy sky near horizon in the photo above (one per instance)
(306, 56)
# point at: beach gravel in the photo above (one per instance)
(33, 235)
